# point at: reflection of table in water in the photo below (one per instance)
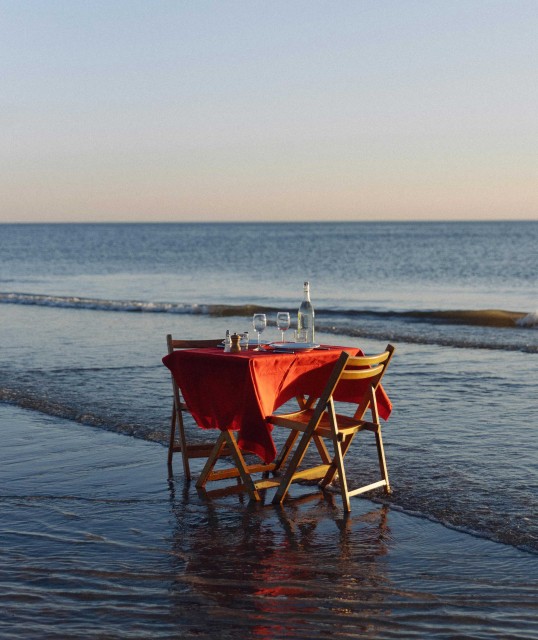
(282, 570)
(238, 390)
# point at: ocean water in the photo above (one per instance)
(84, 310)
(97, 542)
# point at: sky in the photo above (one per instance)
(235, 110)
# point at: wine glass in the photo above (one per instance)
(259, 321)
(283, 322)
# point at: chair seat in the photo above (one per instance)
(299, 420)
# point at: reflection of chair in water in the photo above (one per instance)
(180, 445)
(309, 516)
(322, 421)
(257, 563)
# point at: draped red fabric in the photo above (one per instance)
(238, 390)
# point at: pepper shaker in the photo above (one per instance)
(236, 347)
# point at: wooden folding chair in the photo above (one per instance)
(322, 421)
(178, 439)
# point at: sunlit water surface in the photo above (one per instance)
(84, 310)
(98, 541)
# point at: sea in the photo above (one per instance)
(85, 310)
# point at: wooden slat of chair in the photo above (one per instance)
(241, 469)
(322, 421)
(177, 427)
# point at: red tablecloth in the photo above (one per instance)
(238, 390)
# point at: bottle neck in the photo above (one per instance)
(306, 295)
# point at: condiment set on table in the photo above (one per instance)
(304, 335)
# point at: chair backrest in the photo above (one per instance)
(174, 344)
(347, 367)
(191, 344)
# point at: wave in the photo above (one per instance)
(486, 317)
(96, 304)
(480, 317)
(450, 340)
(128, 306)
(35, 402)
(411, 326)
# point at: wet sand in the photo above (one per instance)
(98, 542)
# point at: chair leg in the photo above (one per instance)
(172, 435)
(295, 462)
(382, 461)
(322, 449)
(184, 448)
(333, 469)
(284, 453)
(339, 459)
(241, 465)
(227, 438)
(177, 422)
(211, 461)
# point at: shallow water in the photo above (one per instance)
(98, 541)
(462, 442)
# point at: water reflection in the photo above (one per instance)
(275, 572)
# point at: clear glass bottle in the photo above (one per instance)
(305, 316)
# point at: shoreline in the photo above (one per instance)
(97, 539)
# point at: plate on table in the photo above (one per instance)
(293, 346)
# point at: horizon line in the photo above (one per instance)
(262, 222)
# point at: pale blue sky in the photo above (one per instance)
(276, 110)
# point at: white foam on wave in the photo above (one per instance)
(530, 320)
(75, 302)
